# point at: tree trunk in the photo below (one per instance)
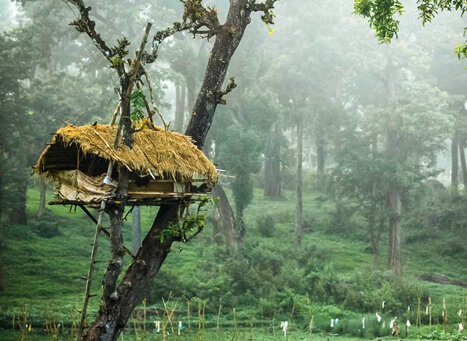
(2, 242)
(191, 93)
(136, 229)
(42, 201)
(18, 215)
(394, 191)
(376, 253)
(224, 47)
(141, 272)
(395, 206)
(226, 219)
(320, 152)
(138, 278)
(180, 94)
(376, 229)
(272, 165)
(463, 162)
(455, 164)
(299, 208)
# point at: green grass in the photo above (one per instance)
(45, 273)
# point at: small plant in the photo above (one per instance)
(137, 101)
(188, 223)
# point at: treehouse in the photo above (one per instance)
(164, 166)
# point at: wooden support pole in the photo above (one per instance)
(103, 229)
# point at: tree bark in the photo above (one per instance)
(395, 206)
(18, 215)
(141, 272)
(180, 94)
(224, 47)
(463, 162)
(138, 278)
(299, 208)
(272, 165)
(2, 242)
(42, 201)
(320, 152)
(455, 164)
(190, 92)
(394, 190)
(226, 218)
(376, 229)
(136, 229)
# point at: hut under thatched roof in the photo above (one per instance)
(162, 164)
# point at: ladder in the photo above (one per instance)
(87, 293)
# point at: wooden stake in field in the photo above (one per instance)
(445, 315)
(429, 314)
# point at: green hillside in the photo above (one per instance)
(329, 277)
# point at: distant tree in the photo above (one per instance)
(240, 155)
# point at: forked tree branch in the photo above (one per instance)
(84, 24)
(197, 20)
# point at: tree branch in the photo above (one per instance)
(85, 25)
(265, 7)
(195, 17)
(228, 89)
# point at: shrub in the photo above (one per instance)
(266, 226)
(45, 228)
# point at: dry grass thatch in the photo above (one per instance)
(165, 154)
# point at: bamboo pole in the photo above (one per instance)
(87, 291)
(429, 314)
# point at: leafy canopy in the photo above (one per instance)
(381, 16)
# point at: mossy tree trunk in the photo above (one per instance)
(2, 243)
(394, 189)
(320, 152)
(42, 199)
(299, 188)
(18, 214)
(272, 165)
(455, 164)
(226, 220)
(463, 162)
(180, 96)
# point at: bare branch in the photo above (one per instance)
(84, 24)
(195, 18)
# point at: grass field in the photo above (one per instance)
(43, 274)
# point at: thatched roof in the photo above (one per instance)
(165, 154)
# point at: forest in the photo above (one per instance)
(233, 170)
